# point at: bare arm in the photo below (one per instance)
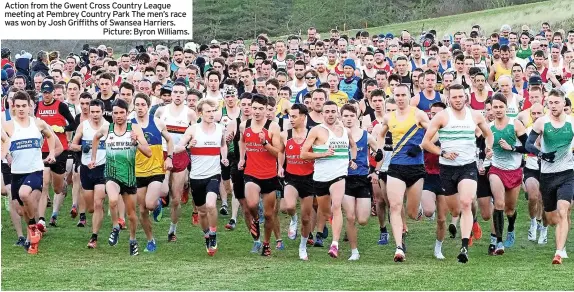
(423, 119)
(486, 132)
(273, 147)
(415, 100)
(165, 134)
(5, 144)
(305, 149)
(50, 138)
(95, 141)
(281, 154)
(242, 147)
(192, 116)
(382, 132)
(76, 141)
(184, 141)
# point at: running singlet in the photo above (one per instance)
(425, 103)
(362, 156)
(431, 163)
(458, 136)
(175, 125)
(205, 155)
(225, 119)
(121, 157)
(414, 66)
(332, 167)
(501, 71)
(52, 116)
(531, 159)
(87, 137)
(504, 159)
(559, 140)
(478, 105)
(107, 106)
(406, 135)
(442, 69)
(296, 165)
(146, 167)
(387, 152)
(513, 108)
(25, 148)
(295, 91)
(259, 162)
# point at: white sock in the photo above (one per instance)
(355, 251)
(533, 222)
(294, 217)
(172, 227)
(335, 243)
(303, 243)
(438, 244)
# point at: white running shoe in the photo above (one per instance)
(438, 253)
(354, 257)
(292, 234)
(543, 239)
(399, 255)
(303, 254)
(532, 233)
(563, 254)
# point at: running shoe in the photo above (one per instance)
(325, 231)
(81, 223)
(543, 239)
(260, 215)
(134, 248)
(26, 246)
(212, 245)
(185, 195)
(41, 225)
(195, 218)
(255, 229)
(114, 236)
(21, 241)
(438, 254)
(266, 250)
(231, 225)
(399, 255)
(93, 243)
(463, 255)
(318, 240)
(151, 246)
(122, 223)
(303, 254)
(49, 204)
(510, 238)
(171, 237)
(354, 257)
(564, 255)
(452, 230)
(158, 211)
(74, 212)
(383, 238)
(532, 233)
(256, 247)
(279, 245)
(499, 249)
(492, 246)
(53, 221)
(333, 251)
(310, 241)
(476, 231)
(223, 210)
(557, 260)
(34, 235)
(292, 233)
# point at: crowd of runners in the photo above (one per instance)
(349, 126)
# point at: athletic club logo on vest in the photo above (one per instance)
(48, 112)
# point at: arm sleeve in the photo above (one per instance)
(481, 145)
(64, 111)
(359, 92)
(522, 148)
(530, 147)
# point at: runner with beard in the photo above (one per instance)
(428, 96)
(478, 93)
(106, 94)
(502, 67)
(369, 64)
(298, 84)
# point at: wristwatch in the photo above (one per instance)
(442, 153)
(265, 142)
(169, 156)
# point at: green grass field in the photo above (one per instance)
(64, 262)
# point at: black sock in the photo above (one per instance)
(498, 219)
(465, 243)
(82, 216)
(41, 219)
(94, 236)
(384, 229)
(492, 235)
(32, 221)
(319, 234)
(511, 220)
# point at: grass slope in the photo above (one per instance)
(64, 262)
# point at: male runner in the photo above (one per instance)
(505, 174)
(206, 142)
(177, 118)
(229, 112)
(151, 180)
(92, 180)
(122, 139)
(556, 174)
(357, 199)
(330, 144)
(406, 170)
(298, 174)
(25, 134)
(458, 171)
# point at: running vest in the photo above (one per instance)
(406, 135)
(205, 155)
(414, 66)
(107, 106)
(332, 167)
(425, 103)
(296, 165)
(458, 136)
(146, 167)
(259, 163)
(87, 137)
(225, 119)
(478, 105)
(175, 125)
(279, 111)
(531, 159)
(501, 71)
(52, 116)
(387, 152)
(362, 156)
(25, 148)
(559, 140)
(351, 87)
(504, 159)
(512, 108)
(121, 157)
(442, 69)
(295, 90)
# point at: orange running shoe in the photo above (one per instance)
(476, 231)
(122, 223)
(74, 212)
(185, 195)
(557, 260)
(34, 235)
(470, 240)
(195, 218)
